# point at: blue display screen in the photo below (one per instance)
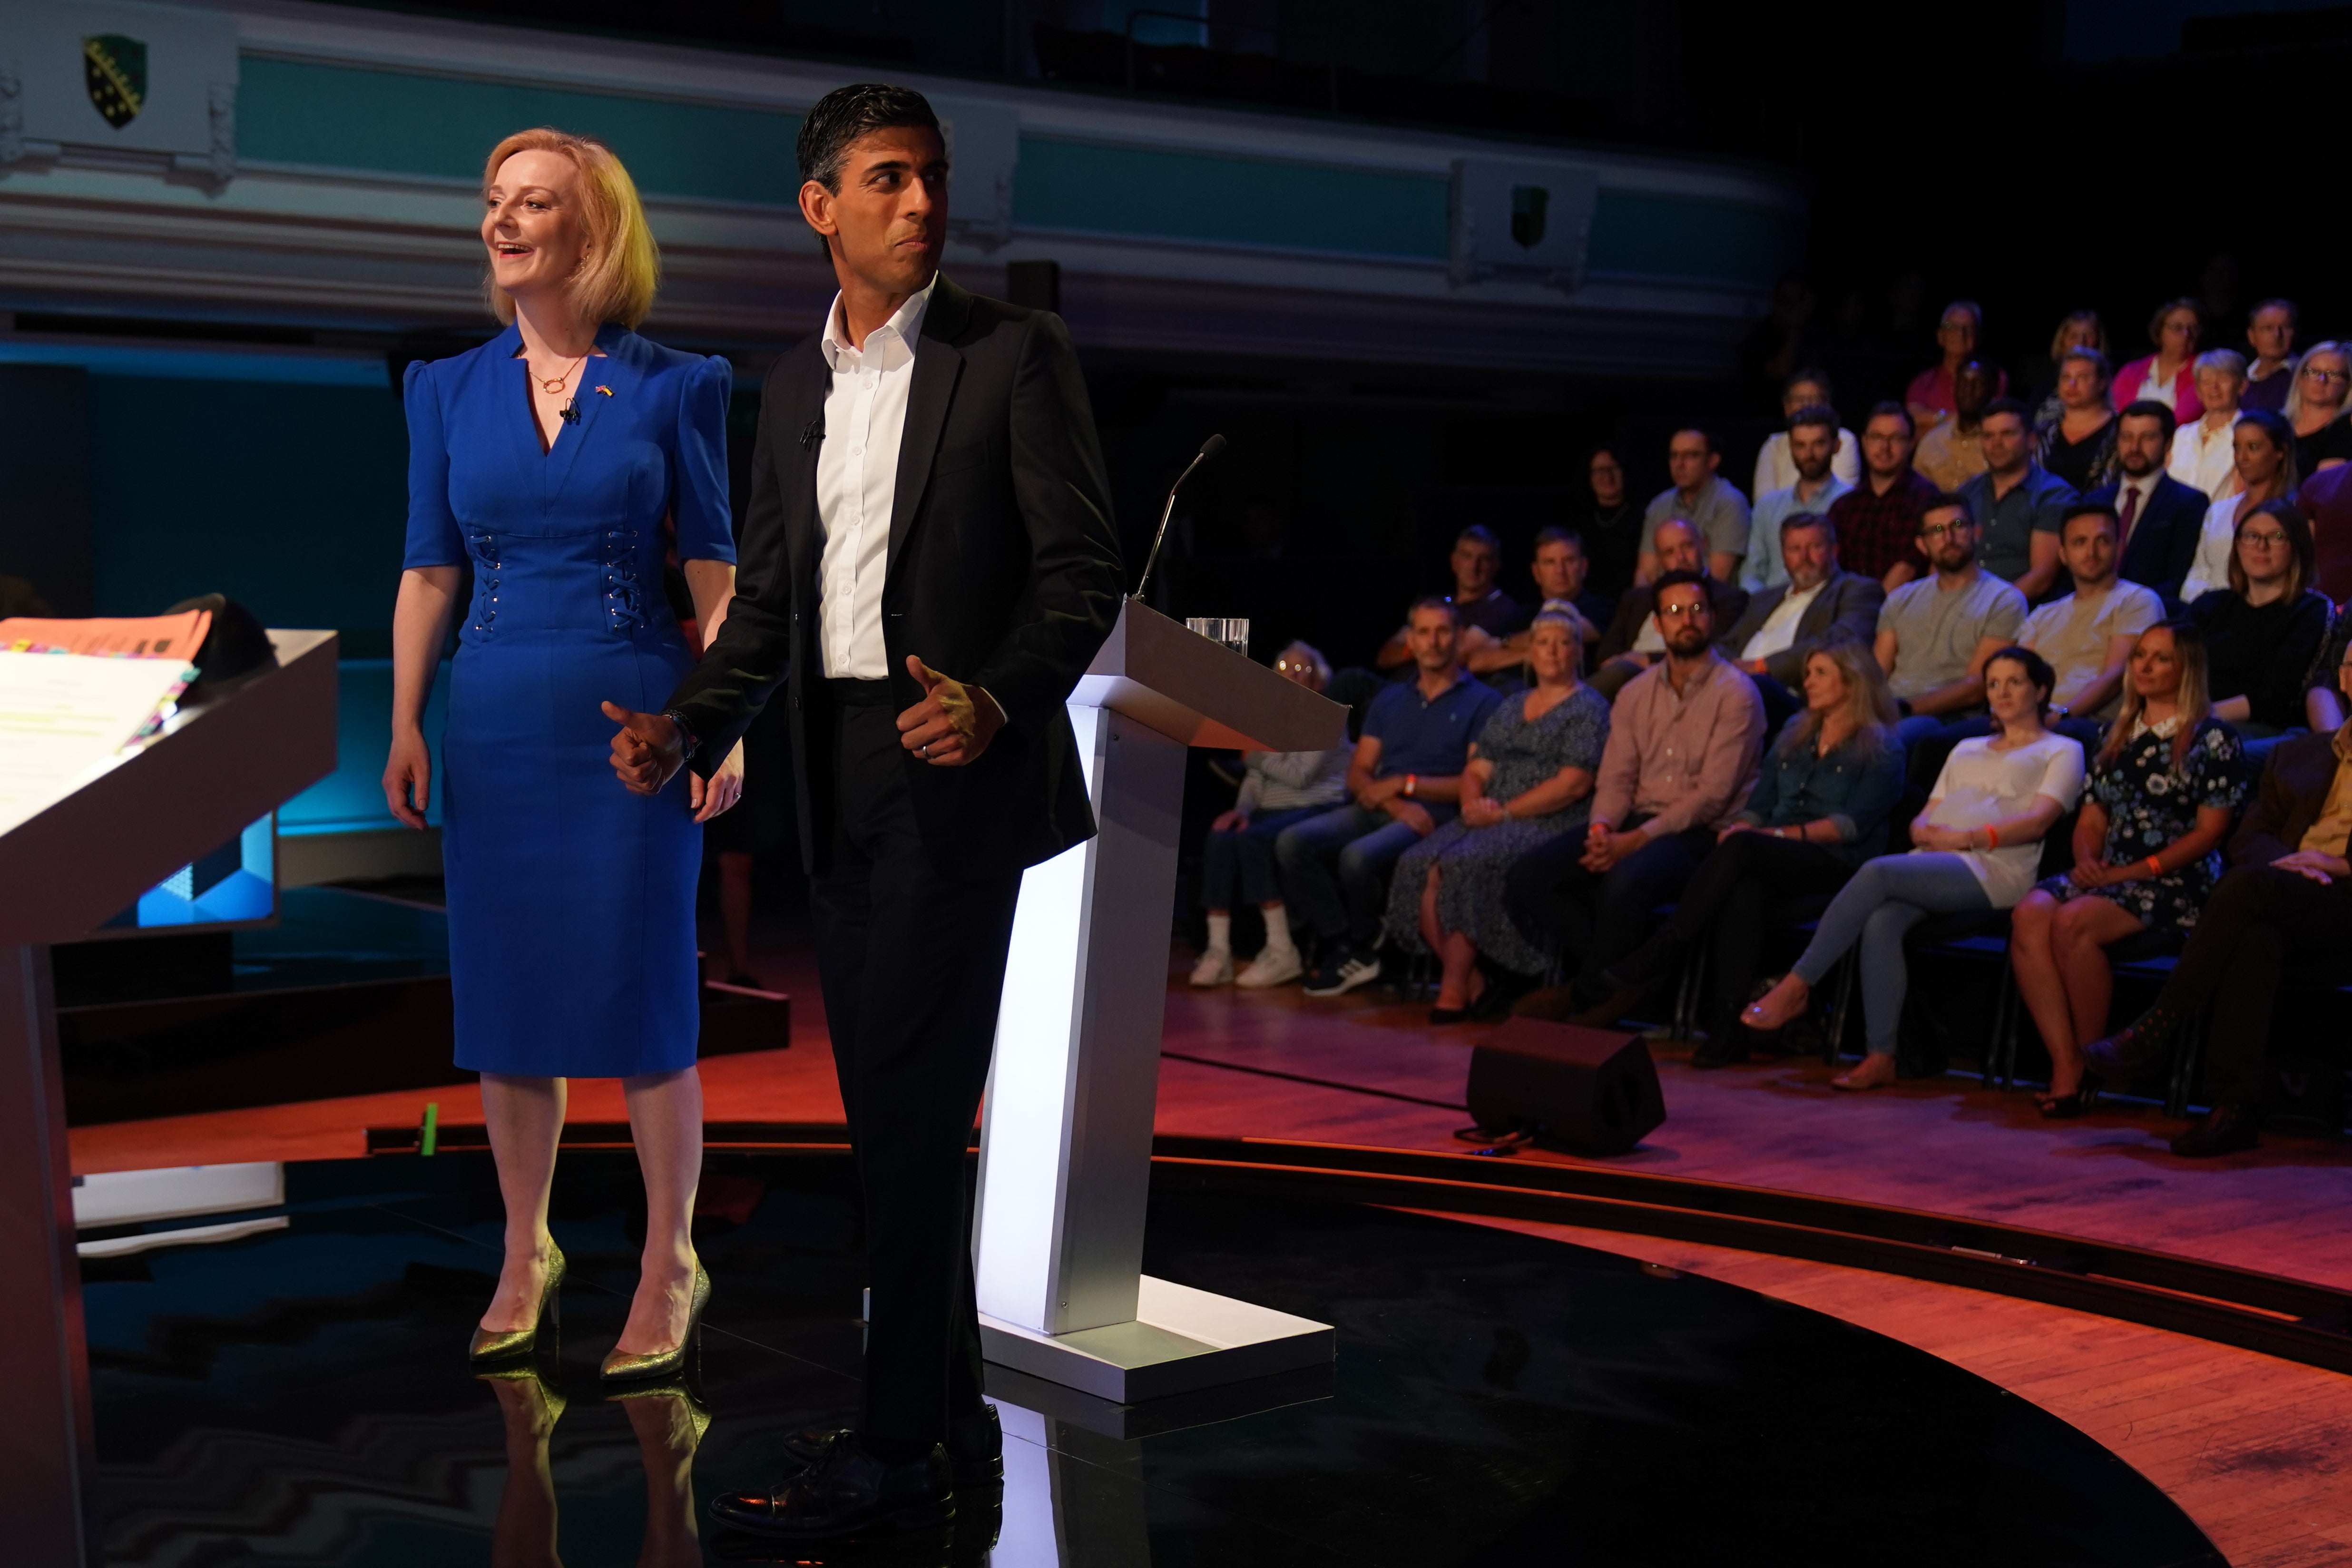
(234, 885)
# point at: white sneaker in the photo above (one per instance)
(1215, 968)
(1272, 966)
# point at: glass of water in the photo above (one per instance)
(1233, 633)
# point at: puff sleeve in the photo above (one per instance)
(698, 509)
(433, 537)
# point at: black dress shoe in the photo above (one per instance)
(846, 1493)
(2224, 1129)
(975, 1448)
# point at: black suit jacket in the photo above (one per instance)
(1004, 572)
(2293, 792)
(2163, 543)
(1848, 602)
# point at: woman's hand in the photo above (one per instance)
(1233, 821)
(1944, 840)
(1482, 811)
(719, 793)
(409, 770)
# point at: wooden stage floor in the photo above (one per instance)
(2257, 1451)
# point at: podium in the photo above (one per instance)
(1066, 1138)
(216, 766)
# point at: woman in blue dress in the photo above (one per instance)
(551, 461)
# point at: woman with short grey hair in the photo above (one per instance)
(2203, 456)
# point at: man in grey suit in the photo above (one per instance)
(1784, 624)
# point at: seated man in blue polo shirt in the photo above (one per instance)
(1405, 779)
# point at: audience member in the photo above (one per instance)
(1636, 638)
(1821, 808)
(1949, 455)
(2284, 908)
(2016, 503)
(2266, 472)
(1528, 780)
(2088, 635)
(2146, 855)
(1976, 847)
(2269, 332)
(2169, 374)
(1702, 498)
(2324, 709)
(1560, 572)
(1782, 626)
(2262, 632)
(1484, 612)
(2078, 444)
(1776, 466)
(1279, 790)
(2080, 330)
(1877, 522)
(2160, 518)
(1935, 635)
(2202, 456)
(1612, 533)
(1929, 397)
(2320, 409)
(1681, 759)
(2326, 502)
(1405, 777)
(1810, 441)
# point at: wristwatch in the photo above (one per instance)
(685, 731)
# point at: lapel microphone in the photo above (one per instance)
(813, 431)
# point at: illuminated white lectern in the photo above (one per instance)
(1066, 1143)
(63, 872)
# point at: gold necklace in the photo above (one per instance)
(559, 383)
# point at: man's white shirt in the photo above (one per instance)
(857, 483)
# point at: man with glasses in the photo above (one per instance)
(2017, 503)
(1877, 522)
(1935, 634)
(1702, 498)
(1684, 737)
(1634, 640)
(2157, 517)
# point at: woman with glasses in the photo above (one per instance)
(2079, 444)
(2319, 406)
(2265, 449)
(2203, 456)
(2262, 632)
(2148, 850)
(2169, 374)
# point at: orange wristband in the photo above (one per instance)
(1992, 837)
(2155, 867)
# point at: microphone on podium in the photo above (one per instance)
(1209, 448)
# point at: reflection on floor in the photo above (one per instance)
(300, 1397)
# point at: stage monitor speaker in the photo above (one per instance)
(1590, 1091)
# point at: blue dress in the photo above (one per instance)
(571, 941)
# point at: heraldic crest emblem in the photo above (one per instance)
(114, 68)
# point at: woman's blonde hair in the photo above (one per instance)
(2342, 351)
(621, 267)
(2078, 318)
(1868, 707)
(2194, 699)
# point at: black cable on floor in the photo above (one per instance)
(1318, 1082)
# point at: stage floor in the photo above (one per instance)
(302, 1396)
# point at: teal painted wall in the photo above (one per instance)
(1688, 236)
(1244, 201)
(391, 121)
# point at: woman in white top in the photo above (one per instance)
(1976, 847)
(1775, 469)
(2265, 448)
(2204, 458)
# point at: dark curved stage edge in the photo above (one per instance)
(301, 1395)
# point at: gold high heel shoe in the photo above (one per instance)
(621, 1364)
(550, 1398)
(507, 1343)
(697, 1413)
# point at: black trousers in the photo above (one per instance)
(2258, 920)
(912, 964)
(1554, 901)
(1728, 898)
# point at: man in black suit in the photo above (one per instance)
(929, 565)
(1785, 623)
(2161, 518)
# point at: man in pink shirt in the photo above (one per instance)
(1684, 737)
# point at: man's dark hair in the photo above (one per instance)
(1480, 533)
(1809, 378)
(1817, 415)
(2149, 408)
(1704, 435)
(2008, 406)
(1680, 580)
(1434, 602)
(2293, 316)
(1890, 409)
(1559, 536)
(1808, 519)
(847, 113)
(2094, 509)
(1944, 500)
